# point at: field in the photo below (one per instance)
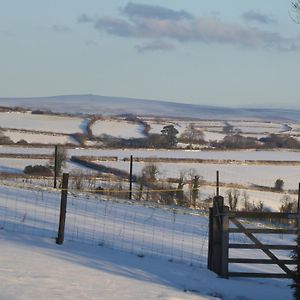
(153, 228)
(243, 170)
(110, 246)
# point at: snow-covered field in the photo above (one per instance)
(229, 173)
(234, 173)
(16, 136)
(17, 165)
(242, 155)
(213, 130)
(117, 128)
(113, 251)
(46, 123)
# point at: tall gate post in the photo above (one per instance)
(218, 238)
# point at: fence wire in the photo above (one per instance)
(138, 229)
(34, 212)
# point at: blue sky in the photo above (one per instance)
(225, 53)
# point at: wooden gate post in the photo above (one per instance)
(218, 237)
(210, 239)
(63, 209)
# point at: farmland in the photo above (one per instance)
(154, 223)
(251, 171)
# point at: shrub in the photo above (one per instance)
(38, 170)
(233, 198)
(278, 186)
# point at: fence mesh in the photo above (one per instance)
(34, 212)
(142, 230)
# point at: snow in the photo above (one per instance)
(117, 128)
(242, 155)
(229, 173)
(16, 136)
(32, 266)
(213, 136)
(36, 268)
(17, 165)
(46, 123)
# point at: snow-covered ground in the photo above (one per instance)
(117, 128)
(46, 123)
(37, 268)
(16, 136)
(114, 251)
(229, 173)
(272, 155)
(17, 165)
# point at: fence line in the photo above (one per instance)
(132, 228)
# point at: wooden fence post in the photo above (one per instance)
(55, 166)
(63, 209)
(130, 177)
(218, 184)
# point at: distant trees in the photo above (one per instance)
(61, 160)
(38, 170)
(278, 185)
(237, 141)
(280, 141)
(288, 205)
(180, 198)
(228, 128)
(169, 132)
(192, 135)
(5, 140)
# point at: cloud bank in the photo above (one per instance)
(163, 26)
(254, 16)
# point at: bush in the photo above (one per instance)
(278, 186)
(288, 205)
(5, 140)
(237, 141)
(280, 141)
(38, 170)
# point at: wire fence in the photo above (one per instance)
(34, 212)
(179, 235)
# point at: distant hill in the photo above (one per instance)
(119, 105)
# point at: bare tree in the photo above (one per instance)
(233, 198)
(61, 159)
(181, 201)
(192, 135)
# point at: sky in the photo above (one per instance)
(223, 53)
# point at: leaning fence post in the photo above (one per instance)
(63, 209)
